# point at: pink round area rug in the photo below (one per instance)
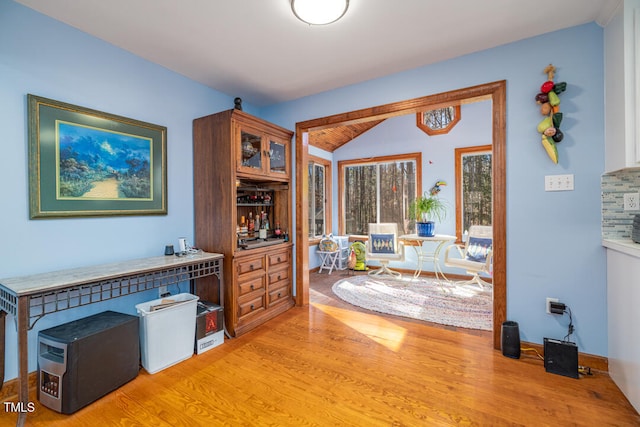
(447, 303)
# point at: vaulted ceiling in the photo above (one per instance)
(333, 138)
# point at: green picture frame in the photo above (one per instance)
(85, 163)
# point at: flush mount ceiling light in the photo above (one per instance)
(319, 12)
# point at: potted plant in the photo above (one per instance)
(425, 210)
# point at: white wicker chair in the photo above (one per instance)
(475, 256)
(383, 246)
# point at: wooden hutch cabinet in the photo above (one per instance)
(242, 170)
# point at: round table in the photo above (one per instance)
(416, 242)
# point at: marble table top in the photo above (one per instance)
(42, 282)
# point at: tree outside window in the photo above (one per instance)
(319, 197)
(378, 190)
(474, 197)
(439, 121)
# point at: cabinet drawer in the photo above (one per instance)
(278, 258)
(278, 275)
(251, 285)
(251, 265)
(251, 306)
(279, 294)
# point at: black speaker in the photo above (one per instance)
(511, 339)
(561, 357)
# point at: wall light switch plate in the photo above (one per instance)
(558, 182)
(631, 201)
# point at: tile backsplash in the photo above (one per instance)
(616, 222)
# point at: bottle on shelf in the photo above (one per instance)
(277, 231)
(250, 224)
(263, 226)
(243, 226)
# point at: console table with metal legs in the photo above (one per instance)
(29, 298)
(416, 242)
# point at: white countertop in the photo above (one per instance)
(625, 246)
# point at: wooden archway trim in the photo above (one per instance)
(496, 92)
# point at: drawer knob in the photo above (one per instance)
(251, 287)
(279, 294)
(278, 277)
(251, 267)
(252, 307)
(279, 259)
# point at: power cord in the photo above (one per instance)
(562, 308)
(168, 293)
(565, 309)
(584, 370)
(532, 349)
(571, 329)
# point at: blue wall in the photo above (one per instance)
(44, 57)
(553, 238)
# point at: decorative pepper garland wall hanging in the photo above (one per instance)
(549, 102)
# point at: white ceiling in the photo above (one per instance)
(258, 50)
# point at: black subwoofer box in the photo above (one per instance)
(561, 357)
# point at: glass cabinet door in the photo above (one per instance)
(251, 150)
(277, 157)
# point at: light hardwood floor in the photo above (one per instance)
(330, 364)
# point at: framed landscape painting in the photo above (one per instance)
(84, 162)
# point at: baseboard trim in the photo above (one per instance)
(9, 390)
(598, 363)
